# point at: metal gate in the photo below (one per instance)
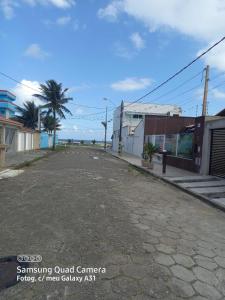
(217, 156)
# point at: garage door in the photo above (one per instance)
(217, 157)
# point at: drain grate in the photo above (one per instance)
(8, 271)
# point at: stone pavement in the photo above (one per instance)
(208, 188)
(14, 159)
(84, 207)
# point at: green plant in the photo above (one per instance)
(93, 142)
(28, 114)
(149, 150)
(53, 94)
(82, 142)
(49, 124)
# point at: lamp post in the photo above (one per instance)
(105, 123)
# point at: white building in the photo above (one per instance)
(132, 132)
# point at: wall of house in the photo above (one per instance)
(133, 139)
(25, 141)
(209, 125)
(43, 140)
(133, 114)
(156, 126)
(36, 140)
(46, 140)
(166, 124)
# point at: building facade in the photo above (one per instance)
(181, 137)
(132, 121)
(7, 105)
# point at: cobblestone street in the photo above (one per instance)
(84, 207)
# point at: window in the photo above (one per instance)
(149, 139)
(185, 145)
(137, 117)
(171, 144)
(159, 142)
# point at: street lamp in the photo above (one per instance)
(105, 122)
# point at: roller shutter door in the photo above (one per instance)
(217, 157)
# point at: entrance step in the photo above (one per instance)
(192, 178)
(209, 183)
(219, 201)
(208, 190)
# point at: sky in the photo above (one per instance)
(115, 50)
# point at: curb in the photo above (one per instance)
(200, 197)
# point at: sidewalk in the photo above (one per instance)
(210, 189)
(19, 158)
(15, 161)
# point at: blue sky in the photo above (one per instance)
(116, 49)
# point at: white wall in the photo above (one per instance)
(21, 141)
(25, 141)
(133, 143)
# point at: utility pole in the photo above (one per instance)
(106, 125)
(204, 104)
(39, 118)
(121, 125)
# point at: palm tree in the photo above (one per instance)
(53, 94)
(28, 114)
(48, 123)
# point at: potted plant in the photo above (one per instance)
(149, 151)
(145, 158)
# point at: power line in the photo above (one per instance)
(179, 72)
(217, 76)
(92, 107)
(176, 88)
(218, 85)
(15, 80)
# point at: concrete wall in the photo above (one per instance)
(46, 140)
(209, 125)
(26, 141)
(36, 140)
(133, 143)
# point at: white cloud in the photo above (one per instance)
(131, 84)
(137, 41)
(123, 51)
(216, 57)
(35, 51)
(111, 11)
(217, 94)
(79, 111)
(203, 20)
(57, 3)
(75, 128)
(62, 21)
(25, 91)
(8, 6)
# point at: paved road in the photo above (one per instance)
(83, 207)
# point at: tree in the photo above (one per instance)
(49, 124)
(53, 94)
(93, 142)
(28, 114)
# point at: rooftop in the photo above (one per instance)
(148, 108)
